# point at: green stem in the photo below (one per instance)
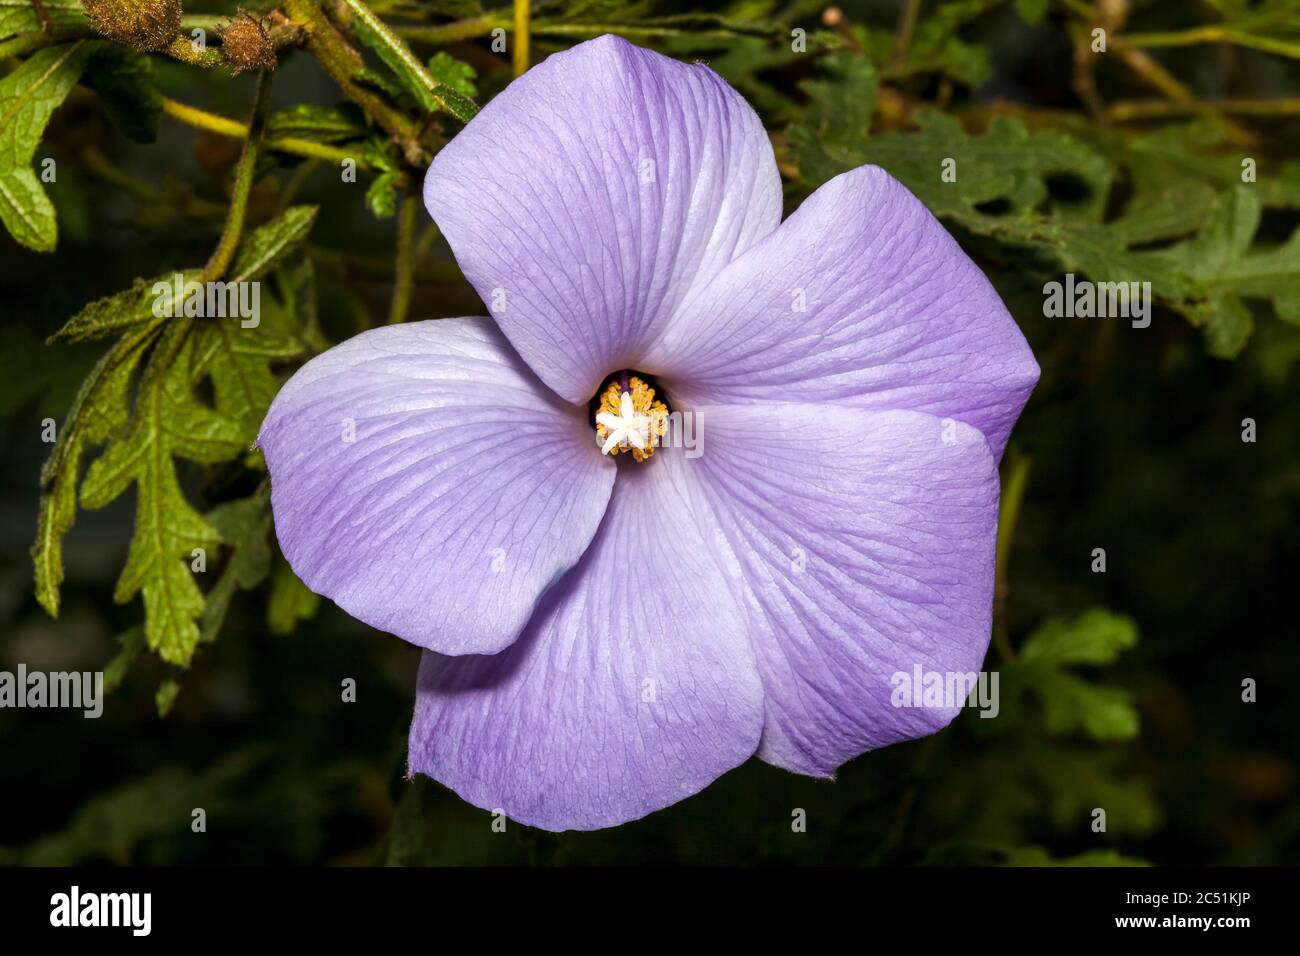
(244, 175)
(1213, 34)
(906, 26)
(342, 62)
(444, 275)
(401, 303)
(1159, 109)
(426, 241)
(1013, 493)
(97, 164)
(523, 9)
(443, 33)
(472, 29)
(182, 49)
(224, 126)
(25, 43)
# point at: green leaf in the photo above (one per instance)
(238, 360)
(756, 66)
(1037, 856)
(1006, 184)
(117, 824)
(1095, 637)
(830, 138)
(131, 644)
(1226, 269)
(99, 411)
(291, 601)
(26, 210)
(168, 422)
(936, 48)
(1072, 704)
(1006, 164)
(296, 285)
(1031, 11)
(397, 56)
(118, 312)
(453, 73)
(124, 80)
(320, 124)
(165, 698)
(381, 194)
(382, 80)
(28, 97)
(19, 16)
(244, 526)
(268, 245)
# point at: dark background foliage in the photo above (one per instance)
(1121, 690)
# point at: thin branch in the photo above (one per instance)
(906, 26)
(244, 176)
(523, 9)
(402, 271)
(97, 164)
(224, 126)
(1013, 493)
(342, 62)
(1157, 109)
(1213, 34)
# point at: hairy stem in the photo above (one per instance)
(403, 267)
(182, 48)
(342, 63)
(234, 227)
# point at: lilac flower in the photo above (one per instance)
(607, 633)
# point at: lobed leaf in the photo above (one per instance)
(100, 410)
(117, 312)
(268, 245)
(1070, 703)
(243, 525)
(1094, 637)
(1226, 269)
(168, 422)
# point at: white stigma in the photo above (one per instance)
(628, 427)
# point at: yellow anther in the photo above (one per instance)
(629, 419)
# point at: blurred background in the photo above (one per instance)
(1120, 689)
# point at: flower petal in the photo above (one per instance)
(591, 196)
(865, 543)
(861, 297)
(633, 687)
(423, 479)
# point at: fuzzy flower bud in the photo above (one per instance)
(145, 25)
(246, 45)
